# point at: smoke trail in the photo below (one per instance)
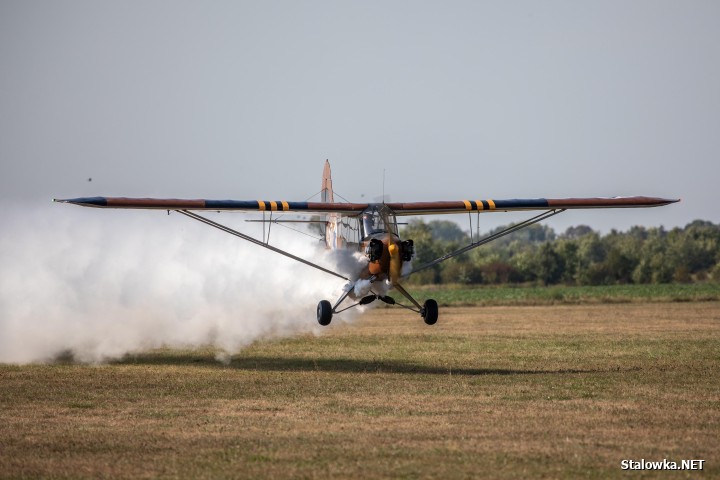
(104, 283)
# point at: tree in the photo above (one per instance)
(446, 231)
(577, 232)
(427, 249)
(579, 256)
(550, 265)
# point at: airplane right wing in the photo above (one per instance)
(216, 205)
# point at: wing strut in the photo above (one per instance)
(488, 239)
(250, 239)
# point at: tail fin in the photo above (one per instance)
(326, 193)
(333, 240)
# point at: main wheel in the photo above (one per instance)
(430, 311)
(324, 313)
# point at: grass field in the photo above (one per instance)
(563, 391)
(460, 295)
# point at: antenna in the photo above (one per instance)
(383, 194)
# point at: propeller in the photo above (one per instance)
(395, 261)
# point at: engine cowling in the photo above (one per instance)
(407, 250)
(374, 250)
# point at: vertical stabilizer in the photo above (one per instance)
(333, 239)
(326, 193)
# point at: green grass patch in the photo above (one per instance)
(458, 295)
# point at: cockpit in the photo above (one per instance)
(378, 219)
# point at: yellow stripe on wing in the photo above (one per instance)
(261, 205)
(468, 205)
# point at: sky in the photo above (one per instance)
(444, 100)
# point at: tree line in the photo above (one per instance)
(579, 256)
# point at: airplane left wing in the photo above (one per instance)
(462, 206)
(216, 205)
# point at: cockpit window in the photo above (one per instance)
(372, 223)
(376, 220)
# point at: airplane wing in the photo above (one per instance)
(186, 207)
(462, 206)
(216, 205)
(550, 207)
(410, 208)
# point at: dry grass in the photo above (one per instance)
(553, 391)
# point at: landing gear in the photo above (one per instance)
(324, 313)
(429, 311)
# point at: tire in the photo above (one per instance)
(430, 311)
(324, 313)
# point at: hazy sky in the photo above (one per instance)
(453, 99)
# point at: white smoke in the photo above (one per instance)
(103, 283)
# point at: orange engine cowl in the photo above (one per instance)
(385, 258)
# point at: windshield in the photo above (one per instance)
(375, 220)
(373, 224)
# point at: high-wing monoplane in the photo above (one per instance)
(371, 229)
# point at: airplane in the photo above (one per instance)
(371, 231)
